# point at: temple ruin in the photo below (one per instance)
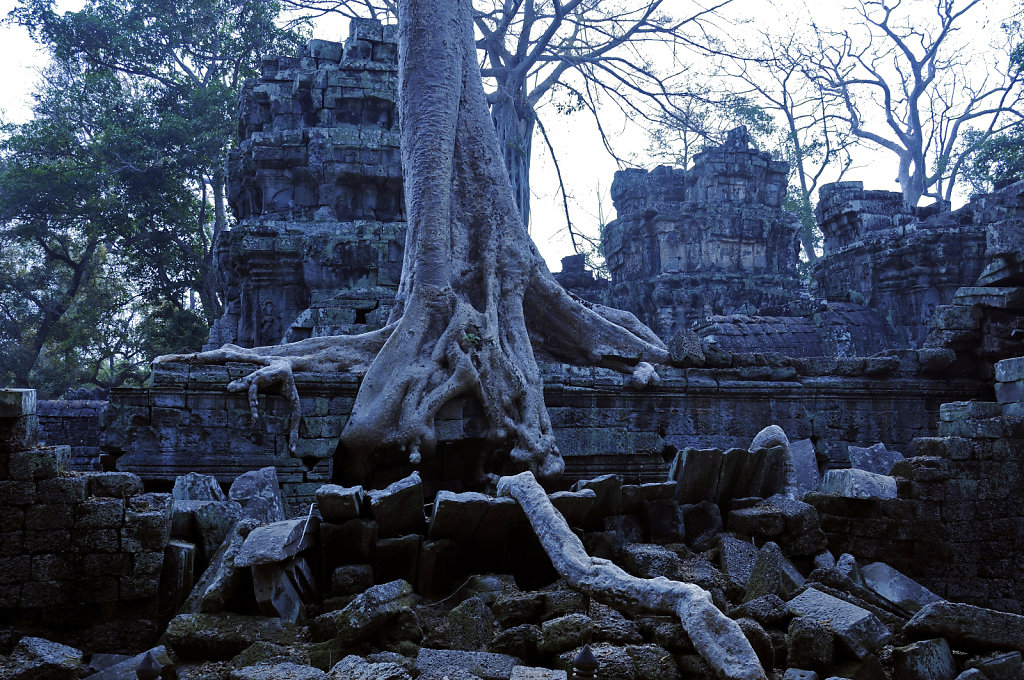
(839, 467)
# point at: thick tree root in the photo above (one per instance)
(716, 637)
(278, 364)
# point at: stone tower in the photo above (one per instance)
(688, 244)
(316, 187)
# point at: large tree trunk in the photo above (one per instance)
(514, 122)
(475, 294)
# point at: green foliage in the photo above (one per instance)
(111, 196)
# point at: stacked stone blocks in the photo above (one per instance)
(72, 545)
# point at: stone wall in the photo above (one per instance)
(316, 187)
(688, 244)
(74, 423)
(188, 421)
(81, 554)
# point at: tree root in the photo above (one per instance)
(716, 637)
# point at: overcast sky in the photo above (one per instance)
(585, 165)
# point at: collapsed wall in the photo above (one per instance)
(80, 553)
(899, 261)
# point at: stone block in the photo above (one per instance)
(802, 474)
(898, 589)
(664, 520)
(398, 508)
(702, 522)
(17, 402)
(809, 644)
(924, 660)
(99, 513)
(852, 483)
(261, 485)
(196, 486)
(875, 458)
(213, 521)
(969, 627)
(351, 579)
(62, 490)
(18, 434)
(17, 493)
(860, 631)
(1004, 666)
(437, 567)
(365, 615)
(38, 463)
(772, 574)
(737, 558)
(574, 506)
(471, 625)
(339, 504)
(565, 632)
(457, 515)
(607, 500)
(1010, 370)
(114, 484)
(488, 665)
(278, 541)
(178, 576)
(222, 636)
(354, 542)
(45, 517)
(397, 558)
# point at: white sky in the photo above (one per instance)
(585, 165)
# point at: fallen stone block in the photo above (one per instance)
(471, 625)
(124, 669)
(809, 644)
(284, 589)
(278, 541)
(354, 542)
(574, 506)
(607, 500)
(283, 670)
(800, 674)
(197, 487)
(213, 521)
(968, 627)
(365, 615)
(859, 630)
(219, 583)
(456, 515)
(260, 488)
(222, 636)
(772, 574)
(351, 579)
(924, 660)
(356, 668)
(768, 610)
(875, 458)
(398, 508)
(1003, 666)
(486, 665)
(702, 522)
(338, 504)
(852, 483)
(36, 658)
(902, 591)
(565, 632)
(397, 558)
(736, 558)
(437, 566)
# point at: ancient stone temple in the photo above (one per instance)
(900, 262)
(316, 187)
(688, 244)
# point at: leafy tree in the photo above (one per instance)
(188, 59)
(83, 186)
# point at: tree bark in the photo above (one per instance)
(475, 294)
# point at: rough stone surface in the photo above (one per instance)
(772, 574)
(853, 483)
(968, 626)
(365, 615)
(809, 644)
(356, 668)
(924, 660)
(398, 509)
(261, 488)
(196, 486)
(486, 665)
(338, 503)
(222, 636)
(859, 630)
(875, 458)
(286, 670)
(897, 588)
